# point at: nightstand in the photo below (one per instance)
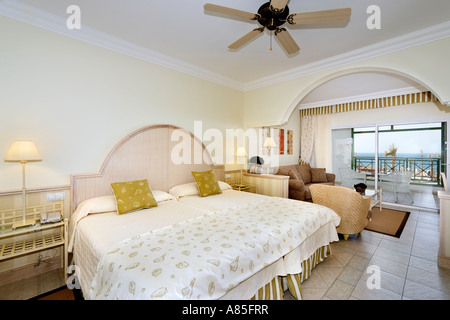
(269, 184)
(236, 185)
(247, 188)
(31, 239)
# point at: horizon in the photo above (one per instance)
(406, 142)
(398, 155)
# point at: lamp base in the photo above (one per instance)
(22, 223)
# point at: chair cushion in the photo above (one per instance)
(318, 175)
(293, 174)
(305, 172)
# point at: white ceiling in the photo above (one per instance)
(359, 86)
(181, 35)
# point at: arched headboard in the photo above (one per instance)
(153, 153)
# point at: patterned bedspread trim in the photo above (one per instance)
(274, 290)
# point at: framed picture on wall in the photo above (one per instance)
(278, 136)
(290, 142)
(281, 144)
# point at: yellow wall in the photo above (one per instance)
(427, 64)
(77, 100)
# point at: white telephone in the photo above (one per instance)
(50, 217)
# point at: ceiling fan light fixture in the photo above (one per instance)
(275, 13)
(278, 6)
(272, 19)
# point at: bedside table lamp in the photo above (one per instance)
(23, 152)
(241, 153)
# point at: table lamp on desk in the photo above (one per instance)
(23, 152)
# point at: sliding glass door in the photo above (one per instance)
(406, 161)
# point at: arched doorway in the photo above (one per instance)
(354, 84)
(376, 70)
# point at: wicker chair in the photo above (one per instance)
(348, 204)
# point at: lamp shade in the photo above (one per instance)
(23, 151)
(241, 152)
(269, 143)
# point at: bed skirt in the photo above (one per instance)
(274, 290)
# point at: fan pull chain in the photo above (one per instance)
(271, 33)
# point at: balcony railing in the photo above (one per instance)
(425, 170)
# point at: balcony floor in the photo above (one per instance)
(424, 198)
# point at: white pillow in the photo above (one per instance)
(93, 205)
(183, 190)
(191, 189)
(103, 204)
(108, 203)
(99, 204)
(224, 185)
(161, 196)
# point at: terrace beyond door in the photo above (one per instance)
(405, 160)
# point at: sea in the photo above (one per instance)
(400, 159)
(399, 155)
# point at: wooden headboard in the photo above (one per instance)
(148, 153)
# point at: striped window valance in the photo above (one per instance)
(403, 99)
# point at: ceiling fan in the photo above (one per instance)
(273, 14)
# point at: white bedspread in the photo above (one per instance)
(97, 233)
(206, 257)
(227, 199)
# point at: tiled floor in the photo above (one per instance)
(407, 265)
(421, 199)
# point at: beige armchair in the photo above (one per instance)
(348, 204)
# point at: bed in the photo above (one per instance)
(230, 245)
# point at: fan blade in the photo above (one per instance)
(325, 16)
(230, 11)
(287, 41)
(278, 5)
(249, 36)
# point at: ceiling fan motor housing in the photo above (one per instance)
(272, 19)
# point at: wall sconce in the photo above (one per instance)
(269, 144)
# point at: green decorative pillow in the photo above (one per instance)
(133, 195)
(207, 183)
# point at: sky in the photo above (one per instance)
(406, 142)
